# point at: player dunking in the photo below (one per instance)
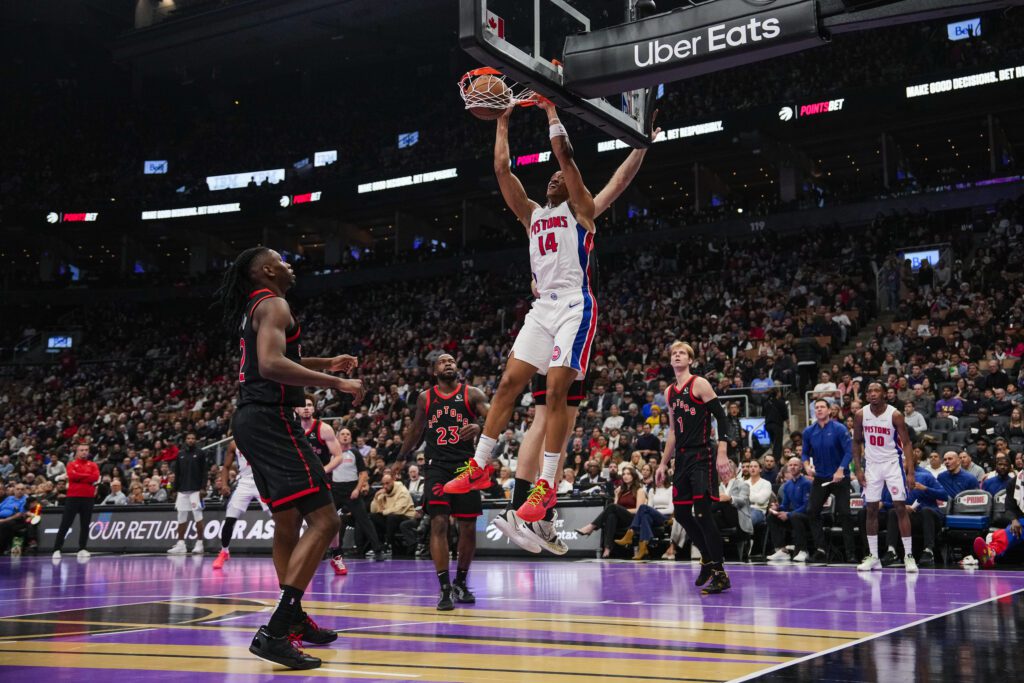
(288, 475)
(244, 493)
(532, 536)
(559, 329)
(879, 434)
(691, 405)
(448, 413)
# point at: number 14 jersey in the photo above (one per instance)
(559, 250)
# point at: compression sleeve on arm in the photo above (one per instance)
(715, 406)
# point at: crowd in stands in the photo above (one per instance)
(145, 377)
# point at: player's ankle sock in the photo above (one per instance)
(226, 531)
(520, 492)
(549, 516)
(907, 547)
(460, 576)
(873, 545)
(289, 610)
(337, 551)
(442, 578)
(484, 448)
(550, 470)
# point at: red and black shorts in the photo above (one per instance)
(437, 502)
(287, 472)
(694, 476)
(539, 388)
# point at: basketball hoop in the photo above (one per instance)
(507, 94)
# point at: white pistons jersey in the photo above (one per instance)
(559, 250)
(881, 443)
(244, 469)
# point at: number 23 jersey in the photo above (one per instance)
(446, 415)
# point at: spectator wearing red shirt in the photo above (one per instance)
(83, 474)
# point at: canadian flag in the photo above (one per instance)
(495, 24)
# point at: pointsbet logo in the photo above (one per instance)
(813, 109)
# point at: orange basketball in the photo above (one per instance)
(492, 90)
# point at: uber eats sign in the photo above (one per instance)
(688, 42)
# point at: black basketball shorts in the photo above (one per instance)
(287, 472)
(437, 502)
(694, 476)
(539, 388)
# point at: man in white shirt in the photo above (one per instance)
(613, 421)
(826, 388)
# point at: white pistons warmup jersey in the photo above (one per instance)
(881, 443)
(559, 250)
(244, 469)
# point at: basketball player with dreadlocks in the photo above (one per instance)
(559, 329)
(448, 412)
(540, 533)
(289, 476)
(691, 405)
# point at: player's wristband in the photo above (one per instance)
(556, 130)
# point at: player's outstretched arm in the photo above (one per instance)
(579, 196)
(511, 189)
(622, 177)
(272, 319)
(415, 436)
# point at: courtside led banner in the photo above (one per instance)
(1012, 73)
(57, 217)
(191, 211)
(407, 180)
(687, 42)
(671, 134)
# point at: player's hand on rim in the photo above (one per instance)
(543, 103)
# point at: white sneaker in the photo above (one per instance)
(870, 562)
(84, 554)
(514, 529)
(779, 555)
(56, 554)
(197, 549)
(545, 534)
(800, 556)
(910, 564)
(178, 549)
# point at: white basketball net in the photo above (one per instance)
(513, 95)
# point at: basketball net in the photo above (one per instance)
(514, 95)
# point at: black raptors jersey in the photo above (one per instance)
(253, 388)
(691, 419)
(446, 415)
(317, 443)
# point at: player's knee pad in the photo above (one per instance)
(197, 515)
(182, 516)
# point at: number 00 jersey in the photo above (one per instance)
(691, 419)
(446, 415)
(253, 387)
(881, 443)
(559, 250)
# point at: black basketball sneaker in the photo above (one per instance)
(284, 650)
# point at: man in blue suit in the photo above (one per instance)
(922, 504)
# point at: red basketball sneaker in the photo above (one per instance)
(542, 498)
(471, 477)
(338, 565)
(985, 554)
